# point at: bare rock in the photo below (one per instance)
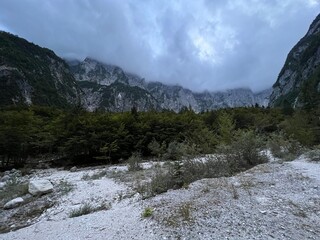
(2, 184)
(73, 169)
(13, 203)
(5, 178)
(39, 187)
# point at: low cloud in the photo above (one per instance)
(201, 45)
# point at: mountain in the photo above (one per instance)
(30, 74)
(298, 83)
(110, 88)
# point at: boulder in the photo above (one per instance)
(73, 169)
(5, 178)
(39, 187)
(13, 203)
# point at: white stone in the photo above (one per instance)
(38, 187)
(2, 185)
(13, 203)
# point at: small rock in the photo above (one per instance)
(73, 169)
(263, 211)
(13, 203)
(27, 197)
(39, 187)
(2, 184)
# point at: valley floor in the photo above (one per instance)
(270, 201)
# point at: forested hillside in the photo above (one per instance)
(79, 137)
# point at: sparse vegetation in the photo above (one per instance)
(314, 155)
(284, 148)
(65, 187)
(134, 162)
(95, 176)
(147, 212)
(87, 208)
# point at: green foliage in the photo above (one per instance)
(226, 127)
(84, 138)
(314, 155)
(87, 208)
(156, 148)
(284, 147)
(134, 162)
(147, 212)
(299, 127)
(35, 72)
(244, 151)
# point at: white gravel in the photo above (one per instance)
(270, 201)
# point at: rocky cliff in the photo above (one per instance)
(298, 83)
(110, 88)
(30, 74)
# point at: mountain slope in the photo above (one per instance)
(110, 88)
(298, 83)
(30, 74)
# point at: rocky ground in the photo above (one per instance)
(277, 200)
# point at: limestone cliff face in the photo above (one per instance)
(298, 82)
(30, 74)
(110, 88)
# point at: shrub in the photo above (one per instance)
(156, 148)
(147, 212)
(210, 167)
(175, 151)
(181, 174)
(314, 155)
(244, 151)
(65, 187)
(87, 208)
(134, 162)
(282, 147)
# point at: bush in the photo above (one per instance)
(85, 209)
(181, 174)
(244, 151)
(210, 167)
(134, 162)
(175, 151)
(285, 148)
(314, 155)
(147, 212)
(156, 148)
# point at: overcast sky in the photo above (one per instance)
(199, 44)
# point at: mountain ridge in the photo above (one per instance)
(157, 94)
(30, 74)
(298, 83)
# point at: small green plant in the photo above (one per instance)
(147, 212)
(83, 210)
(87, 208)
(65, 187)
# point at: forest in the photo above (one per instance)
(76, 137)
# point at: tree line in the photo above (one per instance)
(79, 136)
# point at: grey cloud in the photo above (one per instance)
(202, 45)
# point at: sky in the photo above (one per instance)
(199, 44)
